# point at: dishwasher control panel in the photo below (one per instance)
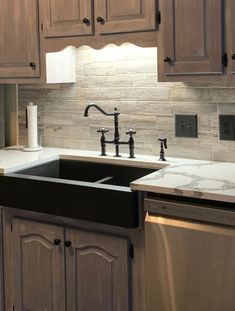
(190, 211)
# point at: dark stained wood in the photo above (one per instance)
(125, 15)
(19, 40)
(191, 36)
(64, 18)
(136, 271)
(34, 266)
(231, 36)
(97, 272)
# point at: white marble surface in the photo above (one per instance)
(183, 177)
(13, 159)
(206, 180)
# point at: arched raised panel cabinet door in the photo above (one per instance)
(112, 16)
(34, 266)
(19, 40)
(191, 38)
(64, 18)
(97, 272)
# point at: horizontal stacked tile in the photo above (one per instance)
(125, 77)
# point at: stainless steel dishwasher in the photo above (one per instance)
(190, 255)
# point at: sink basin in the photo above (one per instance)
(84, 190)
(100, 173)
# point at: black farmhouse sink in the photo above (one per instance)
(84, 190)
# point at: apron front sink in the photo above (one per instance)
(84, 190)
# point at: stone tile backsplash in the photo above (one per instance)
(126, 77)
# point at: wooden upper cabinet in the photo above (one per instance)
(97, 272)
(191, 38)
(64, 18)
(231, 34)
(114, 16)
(19, 40)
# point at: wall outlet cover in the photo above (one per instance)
(227, 127)
(186, 125)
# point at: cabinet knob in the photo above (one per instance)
(168, 60)
(67, 243)
(233, 56)
(32, 65)
(86, 21)
(57, 242)
(100, 20)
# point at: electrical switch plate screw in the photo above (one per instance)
(186, 125)
(227, 127)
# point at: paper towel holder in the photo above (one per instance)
(31, 125)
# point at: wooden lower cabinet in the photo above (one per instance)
(56, 268)
(97, 271)
(34, 266)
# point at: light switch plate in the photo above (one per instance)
(186, 125)
(227, 127)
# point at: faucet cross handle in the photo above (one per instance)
(102, 130)
(131, 132)
(163, 142)
(102, 140)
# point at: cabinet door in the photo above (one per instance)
(64, 18)
(97, 272)
(19, 41)
(191, 37)
(231, 33)
(112, 16)
(34, 267)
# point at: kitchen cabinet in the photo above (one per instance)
(49, 266)
(63, 18)
(19, 41)
(191, 42)
(97, 271)
(231, 38)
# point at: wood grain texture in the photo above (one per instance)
(125, 15)
(191, 35)
(97, 272)
(92, 232)
(64, 18)
(34, 266)
(19, 42)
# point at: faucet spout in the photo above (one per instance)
(100, 109)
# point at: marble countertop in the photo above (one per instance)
(183, 177)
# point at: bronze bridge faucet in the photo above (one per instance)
(116, 140)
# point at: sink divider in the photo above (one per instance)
(100, 181)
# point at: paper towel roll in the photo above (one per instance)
(32, 122)
(32, 113)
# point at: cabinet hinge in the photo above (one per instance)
(11, 226)
(13, 308)
(225, 60)
(131, 251)
(42, 27)
(158, 17)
